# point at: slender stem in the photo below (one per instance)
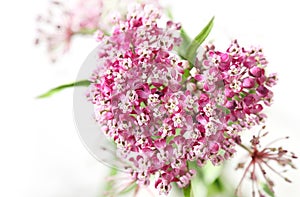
(136, 191)
(265, 177)
(245, 147)
(242, 179)
(276, 140)
(286, 179)
(253, 176)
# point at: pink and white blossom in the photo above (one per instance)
(170, 122)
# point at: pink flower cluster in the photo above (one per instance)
(161, 121)
(234, 84)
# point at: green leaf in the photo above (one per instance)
(186, 41)
(252, 91)
(230, 123)
(266, 188)
(216, 188)
(237, 98)
(211, 173)
(242, 94)
(178, 131)
(155, 137)
(192, 49)
(152, 86)
(133, 115)
(169, 139)
(142, 105)
(61, 87)
(185, 75)
(225, 110)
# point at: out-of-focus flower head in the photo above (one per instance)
(64, 20)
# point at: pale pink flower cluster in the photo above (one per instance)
(160, 121)
(63, 21)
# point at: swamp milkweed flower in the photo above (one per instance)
(161, 121)
(167, 115)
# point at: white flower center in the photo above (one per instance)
(171, 106)
(177, 119)
(142, 119)
(210, 128)
(235, 85)
(132, 95)
(208, 109)
(153, 98)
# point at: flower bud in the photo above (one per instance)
(255, 71)
(248, 82)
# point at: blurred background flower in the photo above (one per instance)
(64, 20)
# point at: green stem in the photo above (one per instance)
(86, 32)
(244, 147)
(187, 191)
(90, 32)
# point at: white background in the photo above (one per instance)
(41, 153)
